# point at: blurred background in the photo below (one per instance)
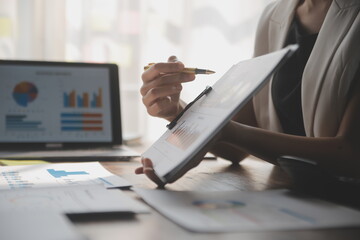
(208, 34)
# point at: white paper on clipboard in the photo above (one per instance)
(205, 118)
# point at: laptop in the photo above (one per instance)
(60, 110)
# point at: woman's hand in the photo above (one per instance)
(147, 167)
(162, 87)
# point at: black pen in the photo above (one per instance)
(174, 122)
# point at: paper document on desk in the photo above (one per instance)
(235, 211)
(69, 200)
(40, 226)
(58, 175)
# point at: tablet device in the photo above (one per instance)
(188, 136)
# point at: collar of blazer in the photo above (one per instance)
(324, 76)
(284, 13)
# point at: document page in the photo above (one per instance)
(69, 200)
(236, 211)
(208, 115)
(40, 226)
(58, 175)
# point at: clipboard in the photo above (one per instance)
(189, 134)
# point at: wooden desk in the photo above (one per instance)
(210, 175)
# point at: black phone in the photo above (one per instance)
(308, 177)
(306, 174)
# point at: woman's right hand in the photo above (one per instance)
(162, 87)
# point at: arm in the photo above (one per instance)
(230, 151)
(339, 154)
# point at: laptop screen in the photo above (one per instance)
(54, 102)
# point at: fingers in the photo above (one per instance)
(160, 68)
(163, 108)
(162, 87)
(139, 170)
(161, 96)
(166, 80)
(158, 93)
(148, 170)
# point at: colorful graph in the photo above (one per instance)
(19, 123)
(25, 93)
(184, 136)
(73, 99)
(63, 173)
(81, 122)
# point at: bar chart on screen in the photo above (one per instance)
(81, 121)
(74, 99)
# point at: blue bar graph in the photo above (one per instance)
(66, 100)
(62, 173)
(93, 102)
(72, 128)
(74, 99)
(80, 102)
(71, 115)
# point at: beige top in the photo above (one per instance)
(329, 72)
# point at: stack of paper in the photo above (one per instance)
(69, 200)
(40, 226)
(37, 198)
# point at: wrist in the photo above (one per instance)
(232, 132)
(180, 108)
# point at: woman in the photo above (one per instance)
(311, 107)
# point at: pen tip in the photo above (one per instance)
(210, 71)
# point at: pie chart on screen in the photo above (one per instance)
(25, 93)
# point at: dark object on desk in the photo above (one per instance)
(308, 177)
(88, 217)
(306, 174)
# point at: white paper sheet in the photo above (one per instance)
(69, 200)
(40, 226)
(236, 211)
(58, 175)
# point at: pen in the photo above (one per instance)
(187, 70)
(174, 122)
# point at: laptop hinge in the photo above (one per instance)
(53, 145)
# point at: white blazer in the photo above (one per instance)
(329, 72)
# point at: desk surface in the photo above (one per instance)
(210, 175)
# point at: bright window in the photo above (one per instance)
(202, 33)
